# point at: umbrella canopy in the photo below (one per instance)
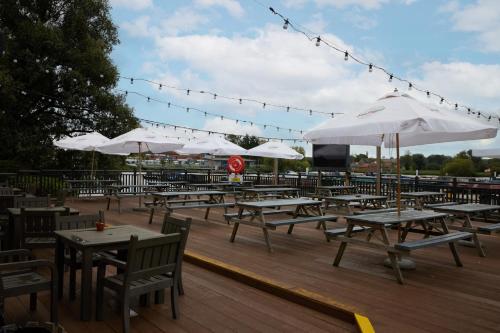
(416, 123)
(212, 144)
(86, 142)
(493, 153)
(275, 149)
(140, 140)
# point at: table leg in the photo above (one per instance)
(59, 261)
(343, 245)
(86, 288)
(393, 257)
(475, 238)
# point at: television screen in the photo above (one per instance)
(331, 156)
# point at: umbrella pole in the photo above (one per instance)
(378, 185)
(276, 176)
(398, 169)
(92, 165)
(140, 171)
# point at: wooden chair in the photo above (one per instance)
(174, 225)
(37, 228)
(152, 264)
(18, 276)
(73, 259)
(31, 202)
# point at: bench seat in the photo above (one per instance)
(201, 205)
(341, 231)
(432, 241)
(488, 229)
(375, 211)
(229, 216)
(300, 220)
(440, 204)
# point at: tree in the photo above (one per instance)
(436, 162)
(246, 141)
(418, 161)
(56, 77)
(406, 161)
(459, 167)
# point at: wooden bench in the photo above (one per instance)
(121, 196)
(489, 229)
(229, 216)
(440, 204)
(299, 220)
(434, 241)
(341, 231)
(375, 211)
(170, 208)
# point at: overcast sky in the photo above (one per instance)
(238, 48)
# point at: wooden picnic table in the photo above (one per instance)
(344, 201)
(225, 186)
(423, 198)
(333, 190)
(468, 212)
(77, 187)
(15, 227)
(120, 191)
(188, 199)
(90, 242)
(252, 213)
(431, 223)
(168, 185)
(277, 192)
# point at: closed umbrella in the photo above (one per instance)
(398, 120)
(139, 140)
(275, 149)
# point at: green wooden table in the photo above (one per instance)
(90, 241)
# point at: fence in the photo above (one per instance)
(80, 181)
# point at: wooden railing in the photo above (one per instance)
(81, 181)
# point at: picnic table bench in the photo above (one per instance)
(431, 223)
(120, 192)
(188, 199)
(269, 192)
(252, 214)
(467, 212)
(363, 200)
(423, 197)
(229, 216)
(88, 187)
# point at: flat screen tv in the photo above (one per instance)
(331, 156)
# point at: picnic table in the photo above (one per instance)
(266, 192)
(168, 185)
(333, 190)
(122, 191)
(345, 201)
(15, 227)
(188, 199)
(252, 213)
(423, 198)
(90, 242)
(468, 212)
(88, 187)
(431, 224)
(224, 186)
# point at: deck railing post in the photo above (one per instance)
(258, 177)
(454, 189)
(416, 183)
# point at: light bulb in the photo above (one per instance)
(285, 25)
(318, 41)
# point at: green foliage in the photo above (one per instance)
(406, 161)
(56, 77)
(267, 164)
(246, 141)
(418, 161)
(436, 162)
(459, 167)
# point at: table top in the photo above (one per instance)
(17, 211)
(421, 194)
(357, 197)
(270, 189)
(174, 182)
(179, 193)
(110, 235)
(280, 202)
(467, 208)
(393, 218)
(221, 184)
(336, 187)
(91, 181)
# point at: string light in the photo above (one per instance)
(285, 24)
(346, 56)
(318, 41)
(410, 86)
(390, 77)
(370, 68)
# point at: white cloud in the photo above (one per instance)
(232, 6)
(132, 4)
(366, 4)
(482, 18)
(183, 20)
(360, 21)
(138, 27)
(230, 126)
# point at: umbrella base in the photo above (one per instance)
(403, 263)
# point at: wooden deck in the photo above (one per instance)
(436, 297)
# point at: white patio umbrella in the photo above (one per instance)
(275, 149)
(492, 152)
(138, 141)
(398, 120)
(212, 144)
(86, 142)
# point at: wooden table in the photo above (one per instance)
(225, 186)
(90, 241)
(468, 212)
(251, 213)
(15, 227)
(277, 192)
(333, 190)
(163, 186)
(188, 199)
(423, 197)
(377, 201)
(378, 223)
